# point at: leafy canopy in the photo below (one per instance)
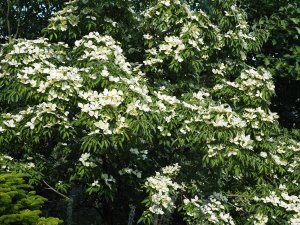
(169, 104)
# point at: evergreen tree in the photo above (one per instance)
(19, 204)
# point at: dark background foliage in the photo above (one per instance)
(281, 53)
(24, 18)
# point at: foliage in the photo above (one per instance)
(18, 203)
(26, 19)
(281, 53)
(184, 116)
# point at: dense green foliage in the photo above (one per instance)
(18, 203)
(281, 52)
(158, 115)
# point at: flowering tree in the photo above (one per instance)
(157, 111)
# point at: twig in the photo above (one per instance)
(57, 192)
(19, 21)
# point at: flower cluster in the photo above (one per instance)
(85, 160)
(210, 210)
(96, 101)
(174, 47)
(243, 141)
(65, 17)
(37, 115)
(260, 219)
(216, 115)
(282, 151)
(257, 116)
(257, 84)
(162, 190)
(143, 154)
(25, 52)
(283, 200)
(101, 48)
(4, 159)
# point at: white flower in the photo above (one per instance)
(30, 165)
(84, 159)
(147, 36)
(96, 184)
(279, 161)
(171, 170)
(10, 123)
(134, 151)
(138, 174)
(31, 123)
(263, 154)
(260, 219)
(220, 121)
(7, 157)
(102, 125)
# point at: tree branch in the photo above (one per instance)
(7, 18)
(19, 21)
(57, 192)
